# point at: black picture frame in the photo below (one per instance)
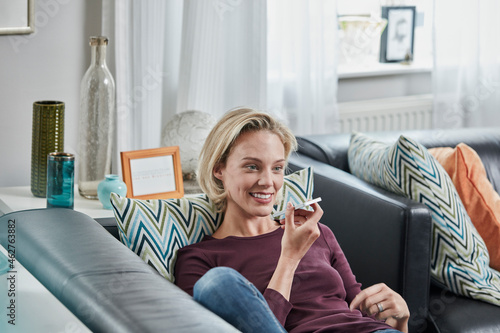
(396, 43)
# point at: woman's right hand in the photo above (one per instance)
(301, 231)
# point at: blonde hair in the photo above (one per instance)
(220, 142)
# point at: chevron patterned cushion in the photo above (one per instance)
(460, 260)
(481, 201)
(156, 229)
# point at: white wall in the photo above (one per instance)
(48, 64)
(384, 86)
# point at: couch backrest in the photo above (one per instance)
(332, 148)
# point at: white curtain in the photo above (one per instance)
(145, 38)
(214, 55)
(302, 64)
(223, 56)
(466, 77)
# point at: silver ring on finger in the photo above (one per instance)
(380, 307)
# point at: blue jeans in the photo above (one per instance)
(232, 297)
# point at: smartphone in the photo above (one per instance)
(303, 205)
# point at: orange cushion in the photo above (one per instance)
(480, 200)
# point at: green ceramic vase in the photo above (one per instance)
(47, 137)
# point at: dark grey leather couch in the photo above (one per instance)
(386, 237)
(107, 286)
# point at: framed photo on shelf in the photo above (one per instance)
(396, 43)
(153, 173)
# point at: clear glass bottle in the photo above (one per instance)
(97, 118)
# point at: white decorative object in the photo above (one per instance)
(360, 40)
(188, 130)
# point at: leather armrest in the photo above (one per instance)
(107, 286)
(385, 237)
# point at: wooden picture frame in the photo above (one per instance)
(153, 173)
(396, 42)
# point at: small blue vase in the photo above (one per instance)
(112, 183)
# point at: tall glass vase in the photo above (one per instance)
(97, 118)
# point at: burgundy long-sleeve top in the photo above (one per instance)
(322, 288)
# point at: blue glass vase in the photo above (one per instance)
(60, 174)
(112, 183)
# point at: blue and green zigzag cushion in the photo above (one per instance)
(297, 188)
(156, 229)
(460, 260)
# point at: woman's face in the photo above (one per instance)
(253, 174)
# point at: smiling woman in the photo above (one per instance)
(252, 178)
(263, 275)
(221, 140)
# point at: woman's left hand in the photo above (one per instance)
(385, 304)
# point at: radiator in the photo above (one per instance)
(388, 114)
